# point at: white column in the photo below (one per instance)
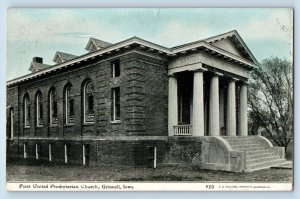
(198, 104)
(214, 117)
(231, 108)
(173, 105)
(243, 118)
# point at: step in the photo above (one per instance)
(250, 149)
(266, 164)
(240, 140)
(259, 155)
(242, 145)
(260, 159)
(254, 152)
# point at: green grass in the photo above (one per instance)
(123, 173)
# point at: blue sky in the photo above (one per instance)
(42, 32)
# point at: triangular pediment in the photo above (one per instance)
(233, 43)
(227, 45)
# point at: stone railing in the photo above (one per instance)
(183, 130)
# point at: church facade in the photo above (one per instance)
(141, 104)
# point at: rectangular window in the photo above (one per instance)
(115, 68)
(25, 150)
(115, 112)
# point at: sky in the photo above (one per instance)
(42, 32)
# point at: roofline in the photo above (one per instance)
(128, 42)
(57, 54)
(220, 36)
(235, 33)
(193, 42)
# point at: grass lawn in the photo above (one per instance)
(123, 173)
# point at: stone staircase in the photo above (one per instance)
(259, 152)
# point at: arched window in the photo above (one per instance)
(69, 105)
(39, 109)
(26, 111)
(88, 102)
(53, 107)
(10, 126)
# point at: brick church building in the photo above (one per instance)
(141, 104)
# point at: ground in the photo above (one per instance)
(122, 173)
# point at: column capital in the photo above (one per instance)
(233, 79)
(217, 74)
(199, 70)
(172, 75)
(246, 83)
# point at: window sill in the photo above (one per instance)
(26, 127)
(88, 124)
(69, 124)
(53, 125)
(39, 127)
(116, 122)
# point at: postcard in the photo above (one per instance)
(164, 99)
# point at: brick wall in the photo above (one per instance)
(143, 98)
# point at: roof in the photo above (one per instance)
(98, 43)
(205, 44)
(63, 56)
(235, 37)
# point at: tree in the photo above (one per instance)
(271, 101)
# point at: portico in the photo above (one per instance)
(209, 106)
(207, 95)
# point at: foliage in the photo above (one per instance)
(271, 101)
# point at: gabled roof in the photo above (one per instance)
(96, 44)
(202, 45)
(235, 39)
(35, 66)
(62, 57)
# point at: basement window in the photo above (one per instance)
(37, 151)
(85, 154)
(50, 152)
(25, 150)
(67, 153)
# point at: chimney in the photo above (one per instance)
(37, 60)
